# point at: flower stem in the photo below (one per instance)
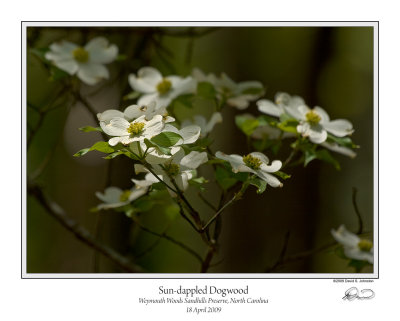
(236, 197)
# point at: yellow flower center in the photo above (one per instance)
(252, 162)
(312, 117)
(125, 196)
(135, 128)
(164, 86)
(172, 169)
(80, 55)
(365, 245)
(164, 116)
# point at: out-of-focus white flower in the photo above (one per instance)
(240, 94)
(200, 76)
(284, 103)
(354, 247)
(201, 121)
(154, 87)
(179, 168)
(114, 197)
(135, 111)
(86, 62)
(237, 95)
(256, 163)
(126, 132)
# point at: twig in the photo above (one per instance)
(360, 221)
(207, 260)
(207, 202)
(172, 240)
(282, 254)
(301, 256)
(80, 232)
(237, 196)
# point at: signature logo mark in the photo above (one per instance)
(353, 293)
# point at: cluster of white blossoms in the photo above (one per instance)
(353, 246)
(313, 123)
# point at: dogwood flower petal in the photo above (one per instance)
(339, 127)
(194, 159)
(92, 73)
(100, 51)
(268, 107)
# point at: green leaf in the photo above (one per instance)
(57, 73)
(198, 182)
(259, 183)
(224, 178)
(282, 175)
(143, 204)
(322, 155)
(82, 152)
(88, 129)
(309, 155)
(172, 211)
(40, 53)
(103, 147)
(183, 100)
(342, 141)
(246, 125)
(166, 139)
(267, 120)
(164, 150)
(132, 95)
(206, 90)
(289, 125)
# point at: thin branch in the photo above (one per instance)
(172, 240)
(360, 221)
(80, 232)
(236, 197)
(207, 202)
(282, 254)
(301, 256)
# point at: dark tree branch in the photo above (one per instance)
(80, 232)
(360, 221)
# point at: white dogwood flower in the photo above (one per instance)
(189, 135)
(151, 83)
(354, 247)
(201, 121)
(315, 124)
(114, 197)
(179, 168)
(133, 112)
(237, 95)
(256, 163)
(284, 103)
(86, 62)
(240, 94)
(126, 132)
(200, 76)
